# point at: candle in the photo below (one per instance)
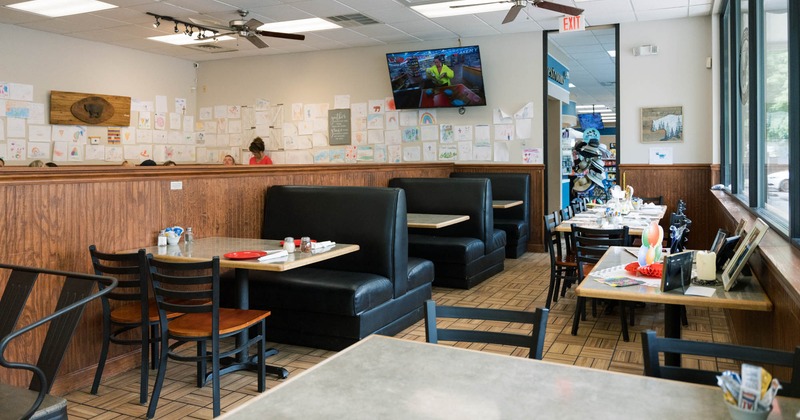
(624, 184)
(706, 265)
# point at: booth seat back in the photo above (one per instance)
(506, 186)
(371, 217)
(471, 197)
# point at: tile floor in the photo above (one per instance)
(523, 285)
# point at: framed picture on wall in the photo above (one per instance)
(662, 125)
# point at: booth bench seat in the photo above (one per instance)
(514, 221)
(463, 254)
(335, 303)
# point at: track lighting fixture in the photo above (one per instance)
(188, 28)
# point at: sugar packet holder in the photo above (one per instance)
(754, 390)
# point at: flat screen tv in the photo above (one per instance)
(590, 121)
(437, 78)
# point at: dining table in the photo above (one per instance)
(748, 295)
(596, 217)
(434, 221)
(392, 379)
(243, 255)
(505, 204)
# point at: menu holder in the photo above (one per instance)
(677, 273)
(742, 254)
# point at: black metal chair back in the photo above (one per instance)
(131, 311)
(562, 263)
(533, 342)
(590, 245)
(653, 345)
(192, 288)
(76, 292)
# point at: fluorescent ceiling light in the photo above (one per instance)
(183, 39)
(443, 9)
(612, 53)
(57, 8)
(301, 25)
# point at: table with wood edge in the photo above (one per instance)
(434, 221)
(747, 295)
(204, 249)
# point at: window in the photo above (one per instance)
(776, 108)
(760, 140)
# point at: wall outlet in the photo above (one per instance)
(176, 185)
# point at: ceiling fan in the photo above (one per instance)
(245, 28)
(520, 4)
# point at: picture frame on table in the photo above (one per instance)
(742, 254)
(662, 125)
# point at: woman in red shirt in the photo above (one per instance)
(257, 149)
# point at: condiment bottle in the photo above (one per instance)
(162, 238)
(189, 235)
(288, 244)
(305, 244)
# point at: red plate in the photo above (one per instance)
(297, 242)
(244, 255)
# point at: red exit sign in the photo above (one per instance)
(571, 24)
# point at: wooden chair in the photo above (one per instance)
(132, 310)
(590, 245)
(534, 342)
(653, 345)
(193, 289)
(76, 292)
(563, 270)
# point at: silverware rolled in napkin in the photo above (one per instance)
(322, 245)
(273, 255)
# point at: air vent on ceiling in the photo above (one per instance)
(210, 48)
(349, 21)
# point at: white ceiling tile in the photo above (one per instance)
(674, 13)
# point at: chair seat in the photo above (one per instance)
(567, 261)
(16, 401)
(230, 321)
(132, 313)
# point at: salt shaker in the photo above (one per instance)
(162, 238)
(288, 244)
(305, 244)
(189, 235)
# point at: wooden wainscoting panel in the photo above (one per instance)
(50, 216)
(689, 182)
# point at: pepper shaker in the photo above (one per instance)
(305, 244)
(189, 235)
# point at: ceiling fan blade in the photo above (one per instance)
(256, 41)
(480, 4)
(512, 14)
(568, 10)
(284, 35)
(253, 24)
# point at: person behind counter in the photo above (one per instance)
(2, 163)
(36, 164)
(148, 162)
(170, 163)
(257, 149)
(228, 160)
(439, 74)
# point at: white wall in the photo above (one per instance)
(677, 76)
(53, 62)
(511, 64)
(512, 71)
